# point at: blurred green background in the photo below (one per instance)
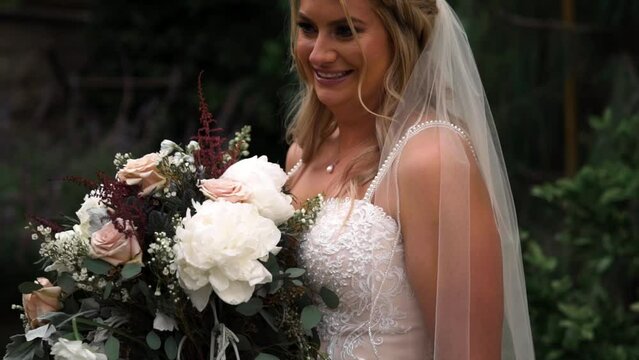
(81, 80)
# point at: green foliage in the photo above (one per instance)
(582, 300)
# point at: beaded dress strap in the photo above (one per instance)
(399, 146)
(294, 168)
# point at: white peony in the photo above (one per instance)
(65, 349)
(263, 180)
(219, 248)
(92, 215)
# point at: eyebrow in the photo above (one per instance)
(334, 22)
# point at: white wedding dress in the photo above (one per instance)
(358, 253)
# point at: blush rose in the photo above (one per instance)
(114, 247)
(144, 172)
(41, 302)
(223, 189)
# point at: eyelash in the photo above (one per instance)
(342, 31)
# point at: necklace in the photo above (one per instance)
(331, 166)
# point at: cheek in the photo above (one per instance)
(379, 60)
(303, 49)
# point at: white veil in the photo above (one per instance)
(445, 94)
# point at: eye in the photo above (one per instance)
(306, 28)
(344, 31)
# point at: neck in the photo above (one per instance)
(355, 128)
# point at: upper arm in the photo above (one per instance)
(293, 156)
(452, 246)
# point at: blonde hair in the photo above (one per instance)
(408, 23)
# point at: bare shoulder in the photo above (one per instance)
(427, 156)
(293, 156)
(433, 148)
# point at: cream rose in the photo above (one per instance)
(263, 182)
(114, 247)
(92, 215)
(223, 189)
(143, 172)
(65, 349)
(218, 250)
(41, 302)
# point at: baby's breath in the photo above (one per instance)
(163, 263)
(121, 160)
(65, 249)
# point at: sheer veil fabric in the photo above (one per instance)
(446, 95)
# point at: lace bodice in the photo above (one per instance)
(353, 255)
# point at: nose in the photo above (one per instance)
(323, 52)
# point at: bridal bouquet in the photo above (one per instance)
(188, 253)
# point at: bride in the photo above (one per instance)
(418, 233)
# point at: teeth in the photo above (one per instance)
(331, 75)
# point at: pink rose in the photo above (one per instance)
(41, 302)
(222, 189)
(114, 247)
(143, 172)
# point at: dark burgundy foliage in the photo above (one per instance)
(210, 153)
(82, 181)
(125, 204)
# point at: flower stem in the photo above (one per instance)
(76, 333)
(115, 331)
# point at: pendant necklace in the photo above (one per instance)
(331, 166)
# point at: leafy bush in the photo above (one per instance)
(584, 301)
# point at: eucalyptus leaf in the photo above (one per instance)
(112, 348)
(66, 282)
(107, 290)
(89, 304)
(29, 287)
(21, 349)
(251, 307)
(265, 356)
(275, 286)
(297, 282)
(310, 317)
(97, 266)
(272, 266)
(153, 340)
(130, 270)
(170, 348)
(294, 272)
(329, 297)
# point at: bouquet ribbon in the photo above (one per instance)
(225, 338)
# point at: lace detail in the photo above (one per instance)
(348, 250)
(355, 249)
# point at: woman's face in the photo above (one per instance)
(331, 58)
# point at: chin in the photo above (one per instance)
(334, 99)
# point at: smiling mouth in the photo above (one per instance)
(332, 75)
